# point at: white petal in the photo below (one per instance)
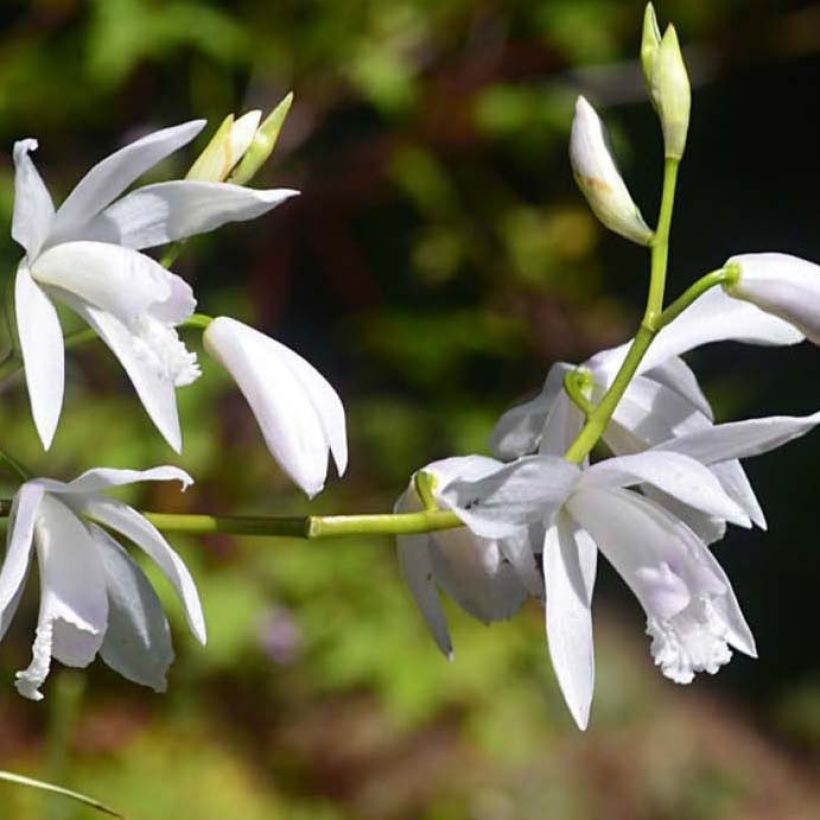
(515, 495)
(33, 208)
(692, 613)
(569, 619)
(138, 640)
(417, 570)
(706, 527)
(295, 426)
(679, 476)
(168, 211)
(73, 602)
(110, 177)
(678, 376)
(518, 550)
(103, 478)
(735, 482)
(467, 468)
(475, 574)
(518, 431)
(119, 281)
(741, 439)
(563, 424)
(714, 317)
(132, 525)
(599, 179)
(41, 342)
(783, 285)
(155, 389)
(24, 511)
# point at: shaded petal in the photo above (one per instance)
(154, 388)
(110, 177)
(73, 603)
(568, 579)
(740, 439)
(24, 511)
(41, 343)
(132, 525)
(295, 417)
(516, 494)
(707, 527)
(734, 481)
(563, 424)
(168, 211)
(103, 478)
(33, 208)
(681, 477)
(518, 431)
(138, 639)
(678, 376)
(518, 550)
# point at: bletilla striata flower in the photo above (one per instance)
(489, 578)
(692, 614)
(300, 415)
(784, 285)
(663, 401)
(93, 597)
(86, 255)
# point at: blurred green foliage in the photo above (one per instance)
(437, 262)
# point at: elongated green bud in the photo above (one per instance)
(650, 42)
(262, 144)
(671, 93)
(226, 148)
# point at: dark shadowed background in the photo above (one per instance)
(438, 261)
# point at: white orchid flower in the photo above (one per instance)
(692, 614)
(599, 179)
(663, 401)
(489, 578)
(86, 255)
(301, 416)
(784, 285)
(93, 597)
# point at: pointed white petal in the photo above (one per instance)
(518, 550)
(740, 439)
(41, 342)
(563, 424)
(155, 389)
(24, 510)
(679, 476)
(714, 317)
(706, 527)
(678, 376)
(138, 640)
(569, 619)
(599, 179)
(168, 211)
(515, 495)
(33, 208)
(783, 285)
(735, 482)
(110, 177)
(417, 570)
(518, 431)
(132, 525)
(467, 468)
(475, 574)
(692, 613)
(103, 478)
(293, 426)
(73, 603)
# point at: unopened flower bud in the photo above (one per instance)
(263, 142)
(784, 285)
(668, 83)
(599, 179)
(226, 148)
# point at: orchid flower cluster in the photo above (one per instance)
(527, 523)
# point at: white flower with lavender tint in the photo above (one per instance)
(86, 255)
(93, 596)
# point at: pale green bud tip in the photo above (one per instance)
(671, 93)
(263, 143)
(599, 179)
(650, 42)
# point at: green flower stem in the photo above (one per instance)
(575, 382)
(598, 420)
(31, 783)
(721, 276)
